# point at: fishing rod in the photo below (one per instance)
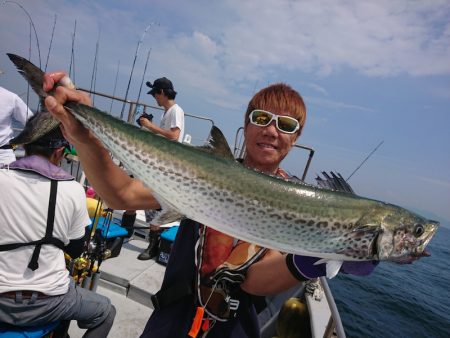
(28, 85)
(115, 85)
(72, 54)
(32, 24)
(365, 160)
(143, 76)
(132, 68)
(94, 68)
(29, 48)
(51, 42)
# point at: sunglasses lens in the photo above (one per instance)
(261, 118)
(287, 124)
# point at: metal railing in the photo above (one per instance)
(135, 108)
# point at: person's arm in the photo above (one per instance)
(76, 246)
(269, 276)
(112, 183)
(21, 111)
(171, 134)
(278, 272)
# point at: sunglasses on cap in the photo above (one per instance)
(263, 118)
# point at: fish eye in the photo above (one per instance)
(419, 230)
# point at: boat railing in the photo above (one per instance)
(335, 323)
(137, 108)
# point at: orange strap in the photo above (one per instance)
(197, 322)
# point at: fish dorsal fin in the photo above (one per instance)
(217, 144)
(333, 181)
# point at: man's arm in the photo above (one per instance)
(171, 134)
(269, 276)
(21, 111)
(112, 183)
(278, 272)
(75, 247)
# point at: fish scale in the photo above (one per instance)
(269, 211)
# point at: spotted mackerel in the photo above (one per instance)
(209, 186)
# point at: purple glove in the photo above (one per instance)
(303, 268)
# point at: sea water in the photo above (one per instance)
(411, 300)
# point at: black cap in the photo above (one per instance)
(161, 83)
(54, 139)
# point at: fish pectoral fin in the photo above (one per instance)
(332, 266)
(167, 216)
(369, 228)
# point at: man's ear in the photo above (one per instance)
(57, 155)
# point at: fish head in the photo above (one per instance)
(404, 237)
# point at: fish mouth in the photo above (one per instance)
(412, 257)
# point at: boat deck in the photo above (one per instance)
(129, 283)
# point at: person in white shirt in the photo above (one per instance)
(172, 121)
(11, 107)
(44, 214)
(171, 127)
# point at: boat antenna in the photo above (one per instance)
(94, 68)
(72, 54)
(132, 68)
(354, 171)
(51, 42)
(143, 75)
(115, 85)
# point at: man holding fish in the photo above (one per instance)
(211, 275)
(274, 120)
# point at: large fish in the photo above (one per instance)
(213, 189)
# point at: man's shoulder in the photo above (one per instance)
(176, 108)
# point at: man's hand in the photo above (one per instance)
(72, 129)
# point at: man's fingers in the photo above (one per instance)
(50, 79)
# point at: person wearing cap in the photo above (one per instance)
(44, 214)
(172, 121)
(171, 127)
(11, 107)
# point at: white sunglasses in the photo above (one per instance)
(263, 118)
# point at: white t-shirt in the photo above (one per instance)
(174, 118)
(24, 203)
(11, 106)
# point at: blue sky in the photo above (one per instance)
(369, 71)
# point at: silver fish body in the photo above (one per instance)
(269, 211)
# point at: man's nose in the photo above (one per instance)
(271, 128)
